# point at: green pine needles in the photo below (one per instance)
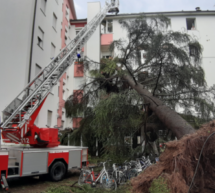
(164, 62)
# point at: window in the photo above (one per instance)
(110, 26)
(144, 55)
(66, 40)
(49, 118)
(62, 124)
(64, 95)
(54, 24)
(43, 6)
(37, 69)
(193, 51)
(52, 50)
(67, 93)
(107, 26)
(67, 13)
(40, 38)
(191, 23)
(107, 57)
(103, 27)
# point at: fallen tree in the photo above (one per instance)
(168, 78)
(178, 164)
(166, 115)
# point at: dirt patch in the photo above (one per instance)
(178, 163)
(38, 184)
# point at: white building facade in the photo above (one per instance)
(197, 23)
(33, 33)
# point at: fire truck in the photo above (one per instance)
(36, 151)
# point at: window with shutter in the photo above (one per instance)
(40, 38)
(52, 50)
(37, 69)
(54, 23)
(43, 6)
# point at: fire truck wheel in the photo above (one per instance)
(57, 171)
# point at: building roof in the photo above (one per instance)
(78, 20)
(170, 13)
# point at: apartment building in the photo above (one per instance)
(32, 34)
(41, 28)
(198, 23)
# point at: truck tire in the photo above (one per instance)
(57, 171)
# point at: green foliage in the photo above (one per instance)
(196, 122)
(171, 71)
(172, 62)
(108, 65)
(159, 185)
(127, 117)
(110, 130)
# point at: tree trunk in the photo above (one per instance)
(167, 116)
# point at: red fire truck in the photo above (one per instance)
(20, 161)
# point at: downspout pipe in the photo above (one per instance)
(32, 41)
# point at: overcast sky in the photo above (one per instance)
(137, 6)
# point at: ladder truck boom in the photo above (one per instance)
(19, 116)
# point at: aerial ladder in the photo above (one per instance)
(19, 116)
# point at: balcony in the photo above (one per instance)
(78, 69)
(106, 39)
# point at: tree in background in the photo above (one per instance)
(128, 94)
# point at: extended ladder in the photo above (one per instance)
(19, 111)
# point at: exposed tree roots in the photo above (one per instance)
(178, 163)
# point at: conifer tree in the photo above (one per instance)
(167, 81)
